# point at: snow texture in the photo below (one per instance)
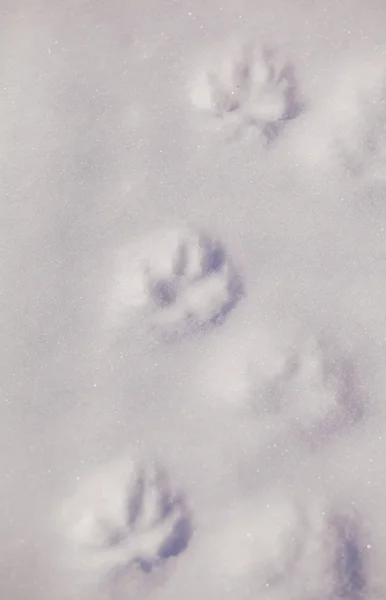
(192, 303)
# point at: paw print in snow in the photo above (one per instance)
(247, 88)
(125, 517)
(174, 280)
(159, 520)
(290, 382)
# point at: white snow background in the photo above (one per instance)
(193, 293)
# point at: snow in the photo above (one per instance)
(192, 300)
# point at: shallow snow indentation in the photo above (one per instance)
(173, 281)
(289, 381)
(124, 516)
(244, 85)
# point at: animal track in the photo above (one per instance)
(175, 280)
(295, 384)
(126, 516)
(248, 87)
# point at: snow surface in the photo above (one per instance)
(193, 300)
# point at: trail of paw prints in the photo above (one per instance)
(123, 519)
(173, 282)
(246, 87)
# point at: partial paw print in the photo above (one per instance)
(346, 127)
(314, 387)
(125, 517)
(174, 281)
(290, 383)
(248, 87)
(158, 520)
